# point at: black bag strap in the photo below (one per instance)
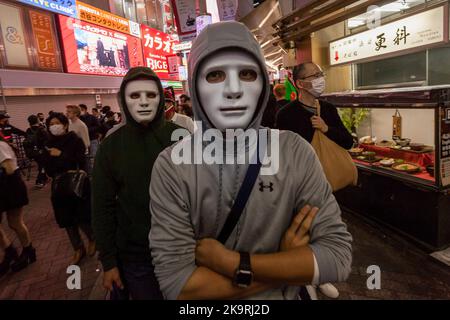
(242, 198)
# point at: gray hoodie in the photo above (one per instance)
(191, 202)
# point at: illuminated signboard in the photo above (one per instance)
(416, 31)
(106, 19)
(65, 7)
(91, 49)
(156, 46)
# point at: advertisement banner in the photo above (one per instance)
(227, 9)
(91, 49)
(13, 36)
(156, 46)
(45, 40)
(65, 7)
(106, 19)
(185, 14)
(202, 21)
(173, 62)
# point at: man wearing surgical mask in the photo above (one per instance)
(302, 116)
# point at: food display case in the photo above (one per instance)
(403, 159)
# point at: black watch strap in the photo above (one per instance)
(244, 263)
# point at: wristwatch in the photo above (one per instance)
(243, 277)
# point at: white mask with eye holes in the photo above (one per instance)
(142, 98)
(229, 85)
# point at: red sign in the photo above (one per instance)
(92, 49)
(157, 45)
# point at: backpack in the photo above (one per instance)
(31, 144)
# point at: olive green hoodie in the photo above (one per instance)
(121, 179)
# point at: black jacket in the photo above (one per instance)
(121, 180)
(69, 211)
(93, 125)
(295, 117)
(72, 157)
(35, 141)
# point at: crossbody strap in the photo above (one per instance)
(242, 197)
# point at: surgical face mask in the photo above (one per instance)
(229, 85)
(142, 98)
(57, 129)
(318, 87)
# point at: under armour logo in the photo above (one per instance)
(262, 187)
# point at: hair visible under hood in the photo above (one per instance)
(141, 73)
(229, 35)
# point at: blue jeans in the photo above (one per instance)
(139, 282)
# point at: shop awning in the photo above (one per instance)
(260, 21)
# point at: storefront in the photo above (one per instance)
(387, 73)
(34, 71)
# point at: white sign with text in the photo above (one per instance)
(416, 31)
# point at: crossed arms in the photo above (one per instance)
(188, 269)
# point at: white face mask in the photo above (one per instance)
(142, 98)
(318, 87)
(230, 84)
(57, 129)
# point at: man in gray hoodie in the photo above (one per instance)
(190, 202)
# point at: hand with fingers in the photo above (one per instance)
(112, 277)
(318, 123)
(298, 234)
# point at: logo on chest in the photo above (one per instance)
(263, 187)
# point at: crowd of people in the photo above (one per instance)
(168, 242)
(57, 144)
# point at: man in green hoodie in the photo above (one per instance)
(121, 179)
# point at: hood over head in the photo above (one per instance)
(141, 73)
(229, 35)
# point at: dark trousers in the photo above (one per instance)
(41, 176)
(139, 282)
(75, 237)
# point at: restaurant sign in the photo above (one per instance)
(416, 31)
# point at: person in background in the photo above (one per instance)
(104, 111)
(279, 92)
(119, 117)
(13, 197)
(41, 118)
(65, 151)
(96, 114)
(6, 129)
(94, 128)
(186, 109)
(184, 99)
(109, 123)
(34, 146)
(171, 115)
(301, 116)
(78, 126)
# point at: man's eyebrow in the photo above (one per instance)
(219, 65)
(146, 91)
